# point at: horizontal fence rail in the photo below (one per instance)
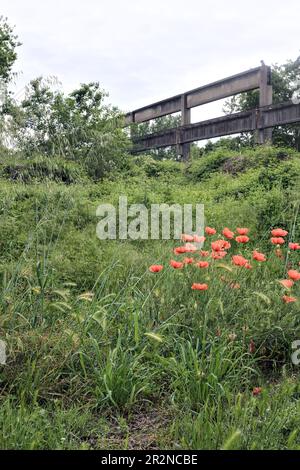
(253, 120)
(245, 81)
(260, 121)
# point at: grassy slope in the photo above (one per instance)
(82, 373)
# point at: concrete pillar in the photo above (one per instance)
(264, 136)
(184, 149)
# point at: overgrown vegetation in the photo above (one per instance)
(104, 354)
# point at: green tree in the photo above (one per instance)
(8, 44)
(78, 126)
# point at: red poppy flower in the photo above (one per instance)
(156, 268)
(179, 250)
(210, 231)
(259, 256)
(220, 245)
(242, 239)
(176, 264)
(228, 233)
(226, 245)
(188, 260)
(203, 264)
(289, 300)
(256, 391)
(199, 286)
(242, 231)
(187, 238)
(279, 232)
(239, 260)
(294, 246)
(278, 241)
(216, 246)
(218, 254)
(204, 254)
(294, 275)
(287, 283)
(248, 266)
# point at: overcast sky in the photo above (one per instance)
(142, 51)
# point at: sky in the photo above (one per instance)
(143, 51)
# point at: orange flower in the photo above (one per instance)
(239, 260)
(259, 256)
(187, 238)
(204, 254)
(279, 232)
(179, 250)
(294, 275)
(210, 231)
(278, 241)
(218, 254)
(220, 245)
(294, 246)
(198, 239)
(216, 246)
(176, 265)
(256, 391)
(156, 268)
(287, 283)
(242, 231)
(242, 239)
(228, 233)
(199, 286)
(288, 299)
(188, 260)
(203, 264)
(226, 245)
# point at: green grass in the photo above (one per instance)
(103, 354)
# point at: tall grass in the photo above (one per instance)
(91, 333)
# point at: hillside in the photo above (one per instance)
(104, 354)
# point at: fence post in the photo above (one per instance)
(263, 136)
(184, 149)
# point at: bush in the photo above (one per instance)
(43, 169)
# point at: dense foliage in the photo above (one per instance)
(79, 126)
(104, 354)
(8, 44)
